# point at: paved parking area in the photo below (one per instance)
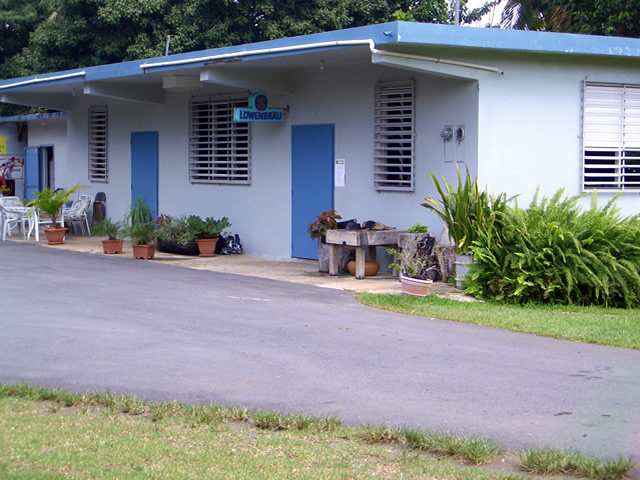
(95, 322)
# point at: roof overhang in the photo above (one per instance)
(274, 66)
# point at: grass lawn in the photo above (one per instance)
(48, 434)
(614, 327)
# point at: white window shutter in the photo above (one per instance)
(611, 137)
(98, 155)
(394, 136)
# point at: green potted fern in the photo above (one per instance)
(113, 231)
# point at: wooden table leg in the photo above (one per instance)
(359, 263)
(333, 260)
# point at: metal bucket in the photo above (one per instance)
(462, 269)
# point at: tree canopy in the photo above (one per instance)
(595, 17)
(38, 36)
(50, 35)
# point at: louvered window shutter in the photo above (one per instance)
(98, 156)
(611, 136)
(394, 136)
(219, 148)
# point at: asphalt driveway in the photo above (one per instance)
(87, 322)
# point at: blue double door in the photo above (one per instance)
(144, 168)
(312, 183)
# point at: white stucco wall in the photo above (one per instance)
(522, 131)
(261, 212)
(531, 126)
(52, 132)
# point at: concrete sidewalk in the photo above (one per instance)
(292, 270)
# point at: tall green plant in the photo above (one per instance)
(140, 226)
(465, 210)
(139, 213)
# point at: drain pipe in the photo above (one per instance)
(42, 80)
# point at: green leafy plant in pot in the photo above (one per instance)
(207, 232)
(141, 230)
(114, 231)
(50, 202)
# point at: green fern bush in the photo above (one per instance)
(556, 252)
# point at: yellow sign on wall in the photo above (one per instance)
(3, 145)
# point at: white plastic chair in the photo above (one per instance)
(10, 220)
(79, 212)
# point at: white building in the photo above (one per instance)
(368, 113)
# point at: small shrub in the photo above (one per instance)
(418, 228)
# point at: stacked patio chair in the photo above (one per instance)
(79, 212)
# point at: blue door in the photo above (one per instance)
(312, 156)
(144, 168)
(31, 172)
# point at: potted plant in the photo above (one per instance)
(50, 203)
(414, 267)
(318, 229)
(141, 230)
(114, 233)
(174, 235)
(326, 221)
(207, 232)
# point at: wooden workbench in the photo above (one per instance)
(360, 240)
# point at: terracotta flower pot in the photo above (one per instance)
(415, 287)
(207, 246)
(55, 236)
(145, 252)
(112, 246)
(371, 268)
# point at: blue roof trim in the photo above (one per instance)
(33, 116)
(517, 40)
(395, 33)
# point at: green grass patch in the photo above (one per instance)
(603, 326)
(551, 461)
(470, 450)
(51, 434)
